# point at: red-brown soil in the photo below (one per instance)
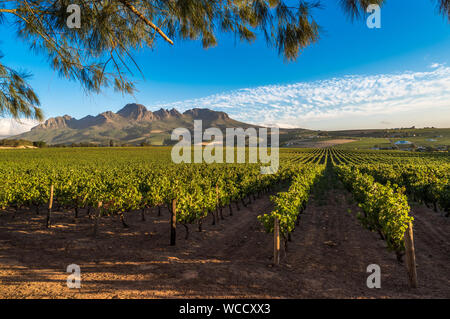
(327, 257)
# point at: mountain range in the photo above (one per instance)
(134, 124)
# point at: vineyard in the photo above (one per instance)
(145, 227)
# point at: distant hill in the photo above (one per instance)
(133, 125)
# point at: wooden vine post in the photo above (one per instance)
(276, 242)
(173, 223)
(50, 206)
(217, 204)
(97, 217)
(410, 256)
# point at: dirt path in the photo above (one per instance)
(331, 252)
(326, 259)
(136, 262)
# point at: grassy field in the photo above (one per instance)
(366, 143)
(368, 138)
(428, 140)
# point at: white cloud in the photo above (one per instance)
(10, 127)
(436, 65)
(339, 103)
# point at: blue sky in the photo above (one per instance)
(354, 68)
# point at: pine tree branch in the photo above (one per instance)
(147, 21)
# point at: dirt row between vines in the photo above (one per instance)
(327, 257)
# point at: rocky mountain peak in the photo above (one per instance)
(162, 114)
(55, 122)
(134, 121)
(206, 114)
